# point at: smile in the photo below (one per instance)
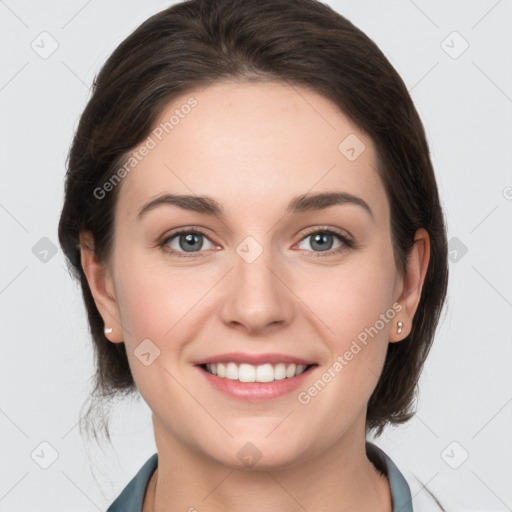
(251, 373)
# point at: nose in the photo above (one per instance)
(258, 297)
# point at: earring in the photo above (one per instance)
(399, 327)
(108, 330)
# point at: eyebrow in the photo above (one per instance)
(299, 204)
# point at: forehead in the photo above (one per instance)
(252, 146)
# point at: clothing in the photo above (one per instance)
(132, 496)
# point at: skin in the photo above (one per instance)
(253, 147)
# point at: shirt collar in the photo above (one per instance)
(132, 496)
(400, 491)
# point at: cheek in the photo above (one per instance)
(351, 298)
(159, 302)
(153, 308)
(140, 310)
(357, 308)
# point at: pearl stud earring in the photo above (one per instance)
(108, 330)
(399, 327)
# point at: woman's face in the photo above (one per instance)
(277, 274)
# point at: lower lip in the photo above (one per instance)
(256, 391)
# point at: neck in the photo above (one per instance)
(340, 479)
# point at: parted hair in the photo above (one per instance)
(305, 43)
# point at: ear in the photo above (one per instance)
(102, 287)
(412, 284)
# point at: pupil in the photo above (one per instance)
(322, 240)
(190, 239)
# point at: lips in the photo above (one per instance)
(254, 359)
(255, 387)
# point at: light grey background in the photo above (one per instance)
(465, 101)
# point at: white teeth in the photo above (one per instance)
(264, 373)
(232, 371)
(280, 371)
(221, 369)
(250, 373)
(246, 373)
(290, 371)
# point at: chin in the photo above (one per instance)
(259, 456)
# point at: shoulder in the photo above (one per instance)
(132, 496)
(431, 495)
(400, 490)
(410, 493)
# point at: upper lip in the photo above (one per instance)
(254, 359)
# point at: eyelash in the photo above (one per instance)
(347, 243)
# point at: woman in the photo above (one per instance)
(253, 216)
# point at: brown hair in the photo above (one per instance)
(299, 42)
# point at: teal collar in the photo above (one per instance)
(132, 496)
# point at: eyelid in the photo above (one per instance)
(180, 231)
(327, 229)
(347, 241)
